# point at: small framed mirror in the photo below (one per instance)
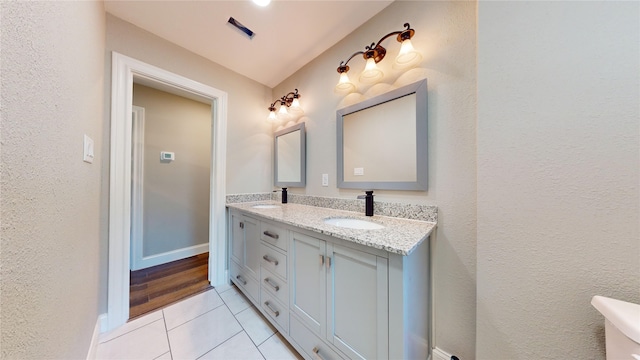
(290, 157)
(382, 141)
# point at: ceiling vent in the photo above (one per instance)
(245, 30)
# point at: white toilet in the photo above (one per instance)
(622, 327)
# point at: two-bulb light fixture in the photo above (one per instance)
(289, 107)
(373, 54)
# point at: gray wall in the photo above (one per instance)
(52, 94)
(249, 135)
(446, 36)
(558, 174)
(176, 193)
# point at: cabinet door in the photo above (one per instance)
(357, 303)
(307, 286)
(252, 247)
(237, 238)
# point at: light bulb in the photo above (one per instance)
(262, 2)
(344, 85)
(407, 57)
(283, 111)
(371, 73)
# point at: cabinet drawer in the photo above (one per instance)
(313, 347)
(275, 310)
(250, 287)
(274, 235)
(273, 261)
(275, 286)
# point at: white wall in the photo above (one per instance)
(176, 193)
(446, 35)
(558, 174)
(52, 94)
(249, 135)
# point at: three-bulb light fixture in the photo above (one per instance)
(289, 107)
(373, 54)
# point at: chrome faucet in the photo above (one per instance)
(368, 202)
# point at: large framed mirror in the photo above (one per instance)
(382, 141)
(290, 157)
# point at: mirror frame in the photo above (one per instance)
(303, 157)
(420, 90)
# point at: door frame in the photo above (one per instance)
(124, 69)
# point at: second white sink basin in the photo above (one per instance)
(265, 206)
(353, 223)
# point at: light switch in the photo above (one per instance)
(87, 144)
(325, 179)
(358, 171)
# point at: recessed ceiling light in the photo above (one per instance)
(262, 2)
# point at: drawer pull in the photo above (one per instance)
(241, 279)
(241, 225)
(316, 351)
(271, 283)
(270, 259)
(271, 235)
(321, 260)
(275, 313)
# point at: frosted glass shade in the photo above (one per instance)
(272, 116)
(344, 85)
(407, 57)
(371, 73)
(295, 108)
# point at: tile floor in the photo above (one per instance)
(217, 324)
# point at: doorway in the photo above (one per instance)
(124, 70)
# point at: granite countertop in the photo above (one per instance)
(399, 236)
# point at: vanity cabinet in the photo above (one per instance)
(333, 298)
(245, 259)
(340, 294)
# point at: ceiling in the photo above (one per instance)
(288, 34)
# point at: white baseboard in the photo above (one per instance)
(169, 256)
(438, 354)
(95, 338)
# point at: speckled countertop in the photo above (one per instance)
(399, 236)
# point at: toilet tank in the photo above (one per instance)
(622, 327)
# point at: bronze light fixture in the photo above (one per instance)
(373, 54)
(289, 106)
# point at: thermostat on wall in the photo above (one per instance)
(167, 156)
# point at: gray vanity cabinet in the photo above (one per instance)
(340, 295)
(245, 261)
(332, 298)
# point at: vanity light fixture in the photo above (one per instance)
(289, 107)
(373, 54)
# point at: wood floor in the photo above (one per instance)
(156, 287)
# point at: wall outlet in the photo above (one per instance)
(325, 179)
(358, 171)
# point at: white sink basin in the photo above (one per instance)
(265, 206)
(353, 223)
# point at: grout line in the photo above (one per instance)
(166, 332)
(129, 332)
(231, 337)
